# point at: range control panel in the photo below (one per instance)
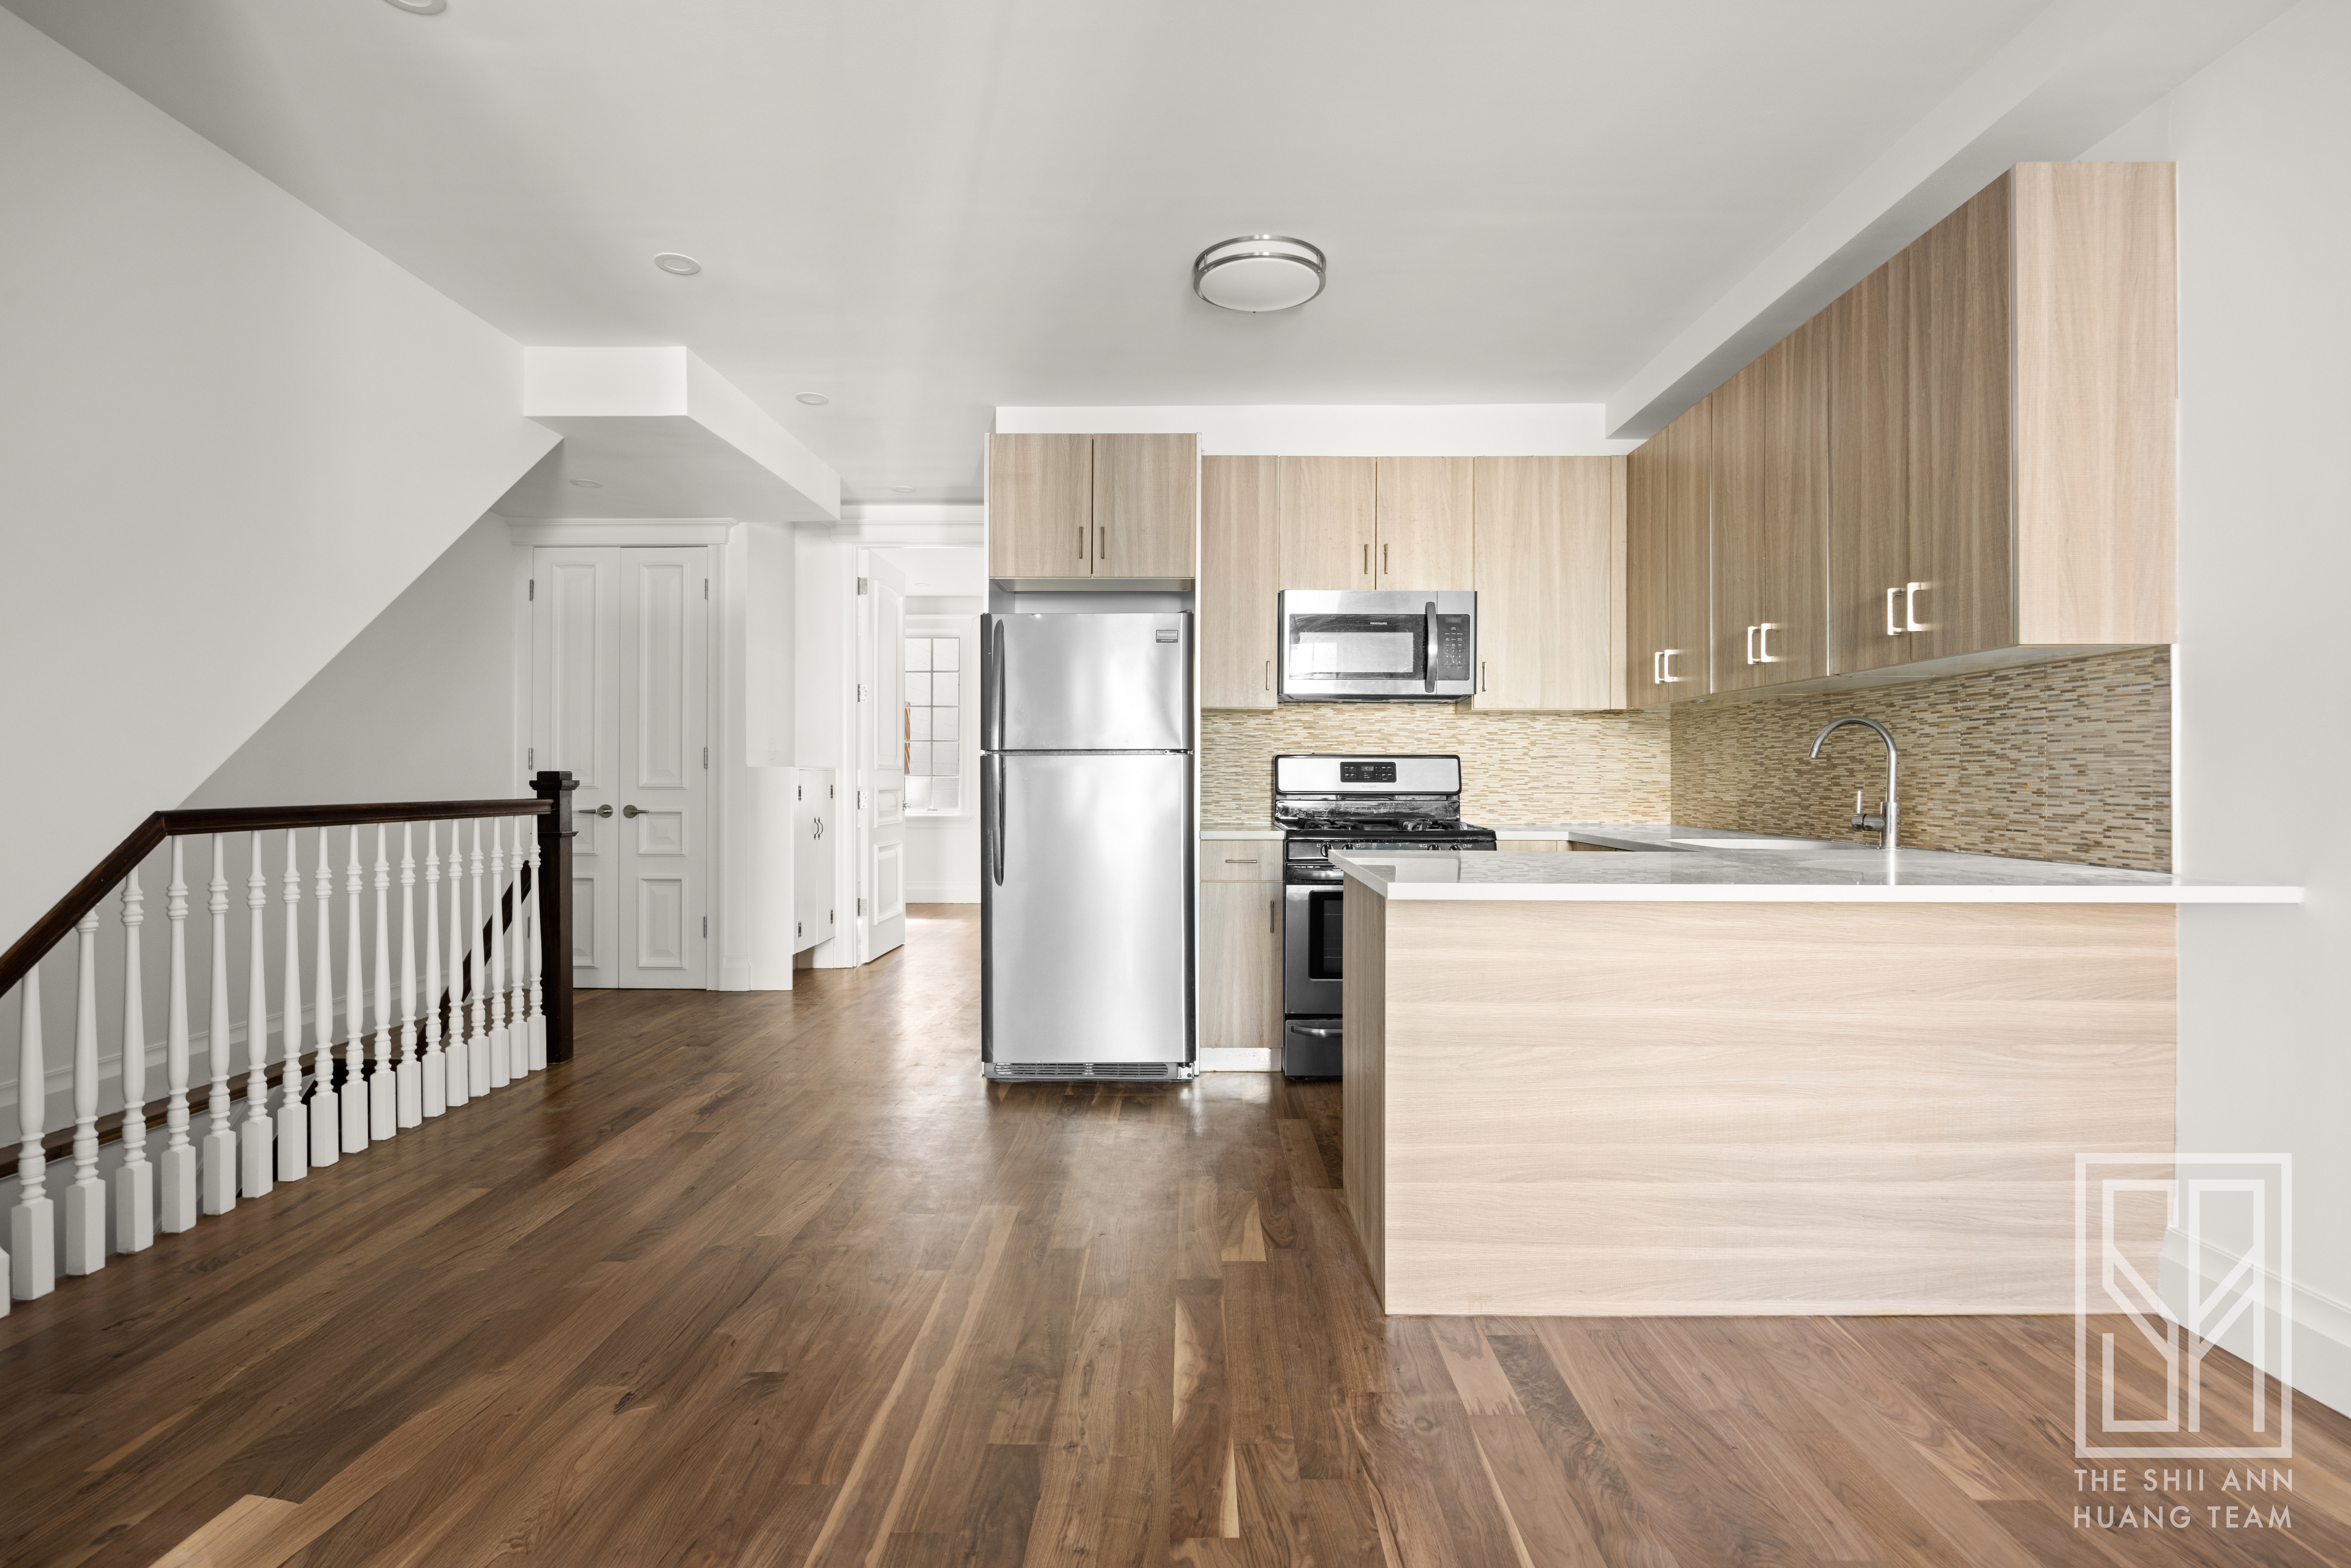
(1367, 773)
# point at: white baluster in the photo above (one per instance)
(355, 1086)
(32, 1224)
(461, 1049)
(435, 1065)
(501, 1047)
(220, 1140)
(326, 1100)
(410, 1076)
(293, 1116)
(383, 1088)
(534, 959)
(134, 1178)
(510, 965)
(175, 1201)
(482, 1055)
(253, 1134)
(85, 1199)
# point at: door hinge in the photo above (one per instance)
(534, 591)
(705, 588)
(861, 906)
(828, 917)
(530, 759)
(706, 926)
(861, 805)
(800, 927)
(861, 586)
(800, 792)
(706, 760)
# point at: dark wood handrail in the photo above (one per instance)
(51, 928)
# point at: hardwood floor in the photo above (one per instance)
(777, 1279)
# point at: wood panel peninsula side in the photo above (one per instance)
(1747, 1081)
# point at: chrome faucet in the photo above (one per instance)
(1886, 821)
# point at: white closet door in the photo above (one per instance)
(664, 766)
(881, 769)
(575, 712)
(620, 671)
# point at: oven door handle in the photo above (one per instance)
(1429, 681)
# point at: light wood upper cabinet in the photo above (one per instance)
(1548, 535)
(1328, 507)
(1064, 506)
(1423, 537)
(1666, 549)
(1146, 499)
(1770, 496)
(1040, 506)
(1959, 551)
(1878, 492)
(1240, 576)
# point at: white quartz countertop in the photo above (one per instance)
(1671, 863)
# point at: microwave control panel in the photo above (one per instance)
(1453, 651)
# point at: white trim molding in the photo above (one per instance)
(2322, 1323)
(620, 531)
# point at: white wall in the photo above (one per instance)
(1349, 430)
(230, 435)
(2263, 139)
(419, 706)
(753, 885)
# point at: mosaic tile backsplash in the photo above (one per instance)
(2069, 761)
(1521, 767)
(2062, 762)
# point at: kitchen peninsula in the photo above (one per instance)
(1729, 1073)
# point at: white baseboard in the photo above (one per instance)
(1234, 1058)
(2322, 1323)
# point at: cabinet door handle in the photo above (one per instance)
(1750, 644)
(1482, 674)
(1665, 666)
(1763, 645)
(1910, 607)
(1081, 541)
(1250, 860)
(1658, 669)
(1386, 570)
(1891, 629)
(1367, 560)
(1268, 674)
(1273, 918)
(1101, 544)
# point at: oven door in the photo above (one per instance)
(1378, 647)
(1313, 937)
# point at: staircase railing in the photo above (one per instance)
(492, 1023)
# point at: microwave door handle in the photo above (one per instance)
(1429, 678)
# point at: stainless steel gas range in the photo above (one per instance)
(1392, 805)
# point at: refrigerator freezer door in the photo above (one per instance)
(1086, 877)
(1086, 683)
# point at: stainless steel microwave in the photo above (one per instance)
(1382, 647)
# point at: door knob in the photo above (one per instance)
(603, 810)
(627, 811)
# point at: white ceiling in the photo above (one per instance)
(927, 208)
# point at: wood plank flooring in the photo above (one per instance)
(776, 1279)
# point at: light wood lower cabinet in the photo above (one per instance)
(1240, 579)
(1549, 545)
(1240, 944)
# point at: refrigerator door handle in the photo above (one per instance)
(996, 827)
(994, 696)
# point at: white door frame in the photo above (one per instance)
(526, 535)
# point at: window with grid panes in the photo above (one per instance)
(934, 728)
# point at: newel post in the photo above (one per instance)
(555, 833)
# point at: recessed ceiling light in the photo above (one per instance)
(814, 400)
(903, 490)
(1257, 273)
(669, 260)
(585, 484)
(423, 7)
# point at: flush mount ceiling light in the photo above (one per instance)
(585, 484)
(1257, 272)
(423, 7)
(814, 400)
(669, 261)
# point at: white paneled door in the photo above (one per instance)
(882, 753)
(619, 696)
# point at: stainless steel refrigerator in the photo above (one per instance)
(1086, 845)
